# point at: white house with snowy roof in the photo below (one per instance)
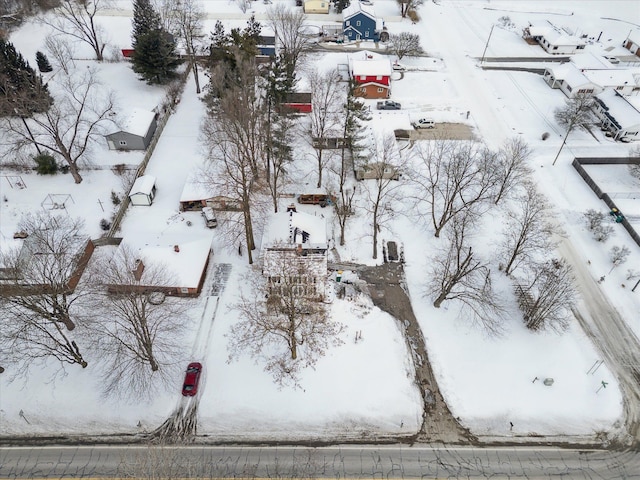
(183, 257)
(554, 40)
(618, 115)
(572, 80)
(135, 133)
(295, 244)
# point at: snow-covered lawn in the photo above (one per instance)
(363, 388)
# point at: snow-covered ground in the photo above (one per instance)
(364, 388)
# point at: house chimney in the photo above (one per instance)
(176, 248)
(137, 272)
(299, 249)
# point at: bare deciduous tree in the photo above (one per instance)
(408, 5)
(457, 274)
(39, 300)
(381, 191)
(344, 209)
(140, 337)
(70, 126)
(619, 255)
(511, 166)
(291, 32)
(189, 17)
(281, 325)
(453, 177)
(77, 19)
(62, 50)
(528, 232)
(326, 94)
(232, 134)
(547, 295)
(595, 222)
(575, 114)
(405, 44)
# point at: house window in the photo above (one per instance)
(122, 143)
(555, 48)
(358, 23)
(363, 90)
(569, 87)
(322, 5)
(580, 47)
(366, 34)
(380, 89)
(585, 90)
(620, 88)
(379, 77)
(347, 23)
(362, 78)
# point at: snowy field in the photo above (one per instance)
(362, 389)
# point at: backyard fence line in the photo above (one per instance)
(605, 197)
(167, 110)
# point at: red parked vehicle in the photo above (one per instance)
(191, 379)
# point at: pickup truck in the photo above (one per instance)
(388, 105)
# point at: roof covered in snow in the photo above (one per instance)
(356, 7)
(295, 228)
(369, 64)
(137, 123)
(184, 265)
(613, 77)
(619, 109)
(143, 184)
(195, 188)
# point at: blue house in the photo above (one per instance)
(359, 22)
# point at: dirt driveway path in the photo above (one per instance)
(386, 287)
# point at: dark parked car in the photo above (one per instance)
(392, 252)
(388, 105)
(191, 379)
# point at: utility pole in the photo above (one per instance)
(487, 44)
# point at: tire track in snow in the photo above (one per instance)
(182, 424)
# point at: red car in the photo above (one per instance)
(191, 379)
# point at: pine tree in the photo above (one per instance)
(145, 20)
(154, 57)
(22, 91)
(341, 5)
(43, 62)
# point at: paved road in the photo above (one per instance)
(612, 336)
(342, 462)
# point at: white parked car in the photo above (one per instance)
(423, 123)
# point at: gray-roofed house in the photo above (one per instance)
(135, 132)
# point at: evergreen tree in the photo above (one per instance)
(145, 20)
(22, 91)
(43, 62)
(281, 81)
(154, 58)
(341, 5)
